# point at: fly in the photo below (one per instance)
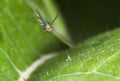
(45, 25)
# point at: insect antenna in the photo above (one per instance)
(54, 19)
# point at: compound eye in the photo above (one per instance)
(48, 29)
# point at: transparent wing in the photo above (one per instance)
(40, 19)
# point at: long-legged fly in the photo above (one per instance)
(45, 25)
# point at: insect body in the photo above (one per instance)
(44, 24)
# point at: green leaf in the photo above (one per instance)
(48, 10)
(22, 40)
(25, 47)
(96, 59)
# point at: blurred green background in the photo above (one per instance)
(87, 18)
